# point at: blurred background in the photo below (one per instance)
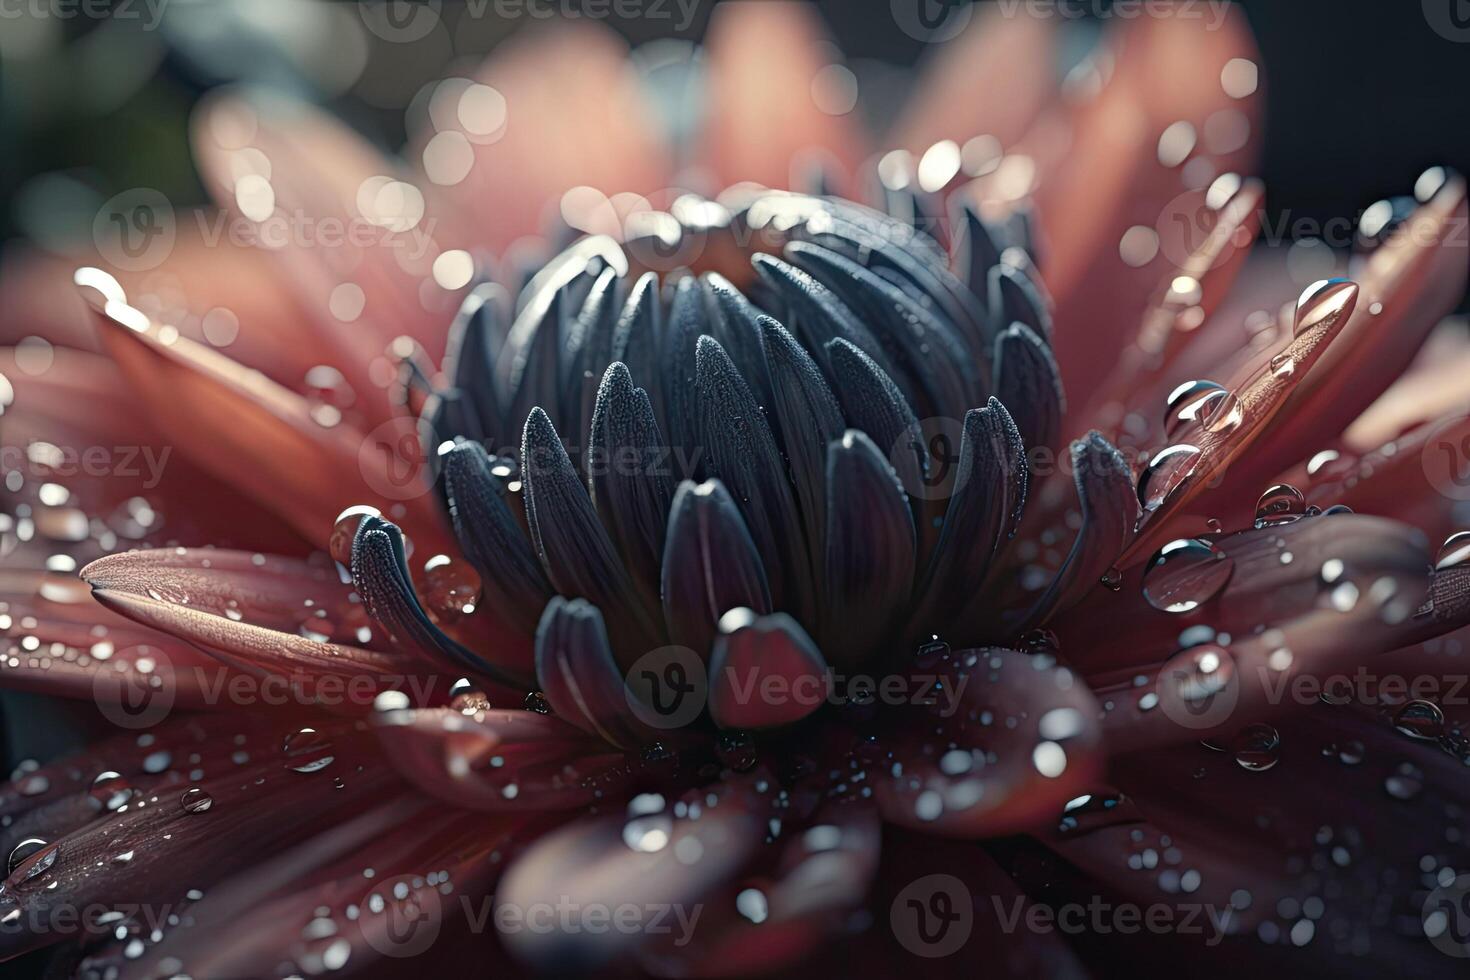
(95, 95)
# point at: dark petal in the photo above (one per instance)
(929, 280)
(1109, 505)
(588, 352)
(936, 367)
(591, 864)
(1026, 377)
(676, 361)
(873, 403)
(765, 672)
(492, 538)
(469, 363)
(530, 361)
(574, 665)
(635, 341)
(741, 452)
(870, 548)
(988, 496)
(380, 575)
(499, 759)
(736, 325)
(814, 312)
(579, 558)
(974, 251)
(806, 418)
(1006, 741)
(628, 471)
(1014, 298)
(821, 877)
(710, 565)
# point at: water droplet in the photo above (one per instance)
(110, 791)
(1257, 747)
(1323, 300)
(1405, 783)
(23, 852)
(1283, 365)
(1351, 753)
(1165, 472)
(1112, 579)
(536, 701)
(1190, 404)
(451, 588)
(1199, 673)
(195, 800)
(1454, 552)
(736, 750)
(308, 750)
(1420, 719)
(751, 903)
(1225, 415)
(344, 529)
(1096, 811)
(649, 825)
(1280, 504)
(1185, 574)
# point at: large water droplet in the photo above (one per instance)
(344, 529)
(23, 851)
(195, 800)
(1454, 552)
(451, 587)
(1190, 404)
(1165, 472)
(1420, 719)
(1323, 300)
(649, 826)
(1280, 504)
(1257, 747)
(1185, 574)
(110, 791)
(308, 750)
(1225, 415)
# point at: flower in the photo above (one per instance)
(781, 614)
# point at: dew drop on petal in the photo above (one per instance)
(307, 750)
(1190, 404)
(1280, 504)
(195, 800)
(1257, 747)
(1321, 300)
(1405, 783)
(1185, 574)
(1420, 719)
(110, 791)
(1164, 473)
(344, 530)
(1454, 552)
(22, 851)
(451, 587)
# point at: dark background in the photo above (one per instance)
(1362, 96)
